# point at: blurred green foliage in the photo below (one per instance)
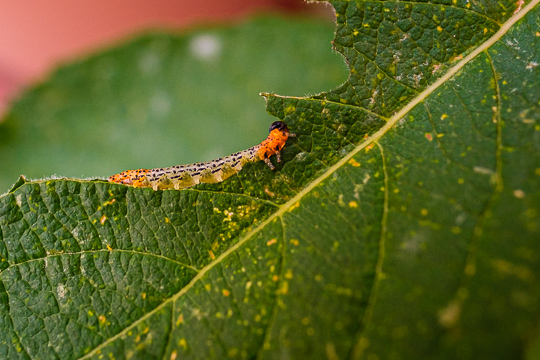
(165, 99)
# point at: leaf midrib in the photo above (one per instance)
(372, 139)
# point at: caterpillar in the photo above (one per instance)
(184, 176)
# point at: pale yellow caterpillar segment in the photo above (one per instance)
(184, 176)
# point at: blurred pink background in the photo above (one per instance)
(36, 35)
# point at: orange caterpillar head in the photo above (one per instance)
(129, 177)
(279, 133)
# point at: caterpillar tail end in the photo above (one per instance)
(135, 178)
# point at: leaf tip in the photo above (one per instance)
(20, 182)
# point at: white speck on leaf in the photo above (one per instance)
(460, 219)
(413, 244)
(482, 170)
(61, 290)
(531, 65)
(366, 179)
(449, 316)
(301, 156)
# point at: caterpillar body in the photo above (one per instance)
(184, 176)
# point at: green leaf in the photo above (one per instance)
(403, 223)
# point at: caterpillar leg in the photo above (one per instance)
(269, 163)
(141, 182)
(278, 156)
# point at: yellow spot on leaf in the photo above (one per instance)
(112, 201)
(470, 270)
(424, 212)
(461, 181)
(294, 242)
(232, 352)
(288, 274)
(167, 220)
(102, 319)
(284, 288)
(173, 355)
(353, 204)
(271, 242)
(429, 137)
(444, 116)
(369, 147)
(439, 29)
(182, 342)
(354, 163)
(289, 109)
(440, 135)
(275, 278)
(225, 292)
(294, 206)
(180, 320)
(143, 295)
(520, 194)
(212, 256)
(109, 247)
(456, 230)
(450, 314)
(102, 220)
(507, 268)
(363, 344)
